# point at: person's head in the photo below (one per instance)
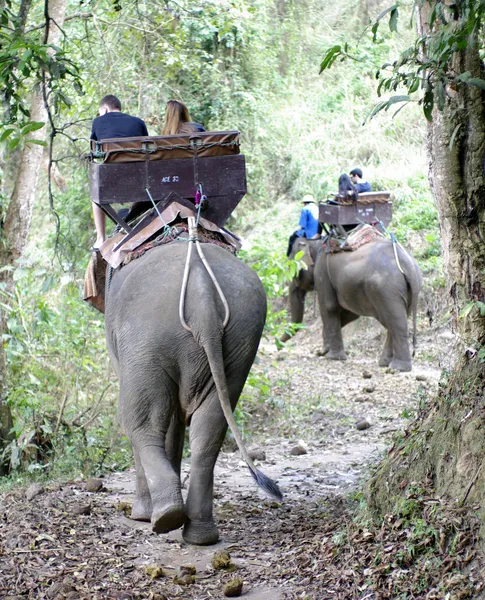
(108, 104)
(346, 186)
(356, 175)
(177, 118)
(307, 199)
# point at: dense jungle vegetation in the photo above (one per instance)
(251, 65)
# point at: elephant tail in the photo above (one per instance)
(415, 286)
(413, 281)
(214, 356)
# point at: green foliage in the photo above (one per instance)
(28, 61)
(60, 390)
(425, 69)
(275, 272)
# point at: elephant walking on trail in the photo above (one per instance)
(369, 281)
(171, 377)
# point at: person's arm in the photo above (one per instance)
(303, 219)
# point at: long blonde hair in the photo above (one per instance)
(177, 119)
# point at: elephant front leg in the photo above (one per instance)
(207, 431)
(297, 306)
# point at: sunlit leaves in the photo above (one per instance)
(330, 57)
(393, 13)
(26, 62)
(275, 272)
(428, 68)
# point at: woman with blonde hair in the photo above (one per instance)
(177, 119)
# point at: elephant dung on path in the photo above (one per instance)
(369, 281)
(171, 377)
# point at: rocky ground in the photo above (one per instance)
(322, 426)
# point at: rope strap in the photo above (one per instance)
(193, 237)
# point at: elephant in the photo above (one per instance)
(379, 279)
(179, 363)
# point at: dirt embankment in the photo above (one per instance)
(322, 426)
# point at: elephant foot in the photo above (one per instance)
(401, 365)
(336, 355)
(142, 509)
(323, 352)
(384, 361)
(167, 519)
(200, 533)
(285, 337)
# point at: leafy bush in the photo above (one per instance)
(275, 271)
(61, 390)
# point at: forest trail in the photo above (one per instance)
(83, 541)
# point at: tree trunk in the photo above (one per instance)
(446, 448)
(19, 212)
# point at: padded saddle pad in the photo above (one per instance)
(141, 148)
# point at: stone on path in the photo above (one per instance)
(94, 485)
(362, 424)
(299, 449)
(257, 454)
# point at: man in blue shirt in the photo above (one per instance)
(308, 222)
(360, 184)
(112, 123)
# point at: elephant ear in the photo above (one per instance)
(307, 259)
(303, 246)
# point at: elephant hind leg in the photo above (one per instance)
(386, 356)
(205, 444)
(142, 506)
(396, 352)
(146, 408)
(174, 444)
(164, 484)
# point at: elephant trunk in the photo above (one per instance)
(214, 356)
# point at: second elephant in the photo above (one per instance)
(379, 279)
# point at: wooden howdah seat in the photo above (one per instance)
(162, 169)
(371, 207)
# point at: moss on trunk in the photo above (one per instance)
(444, 450)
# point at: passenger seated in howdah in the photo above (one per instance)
(111, 123)
(361, 185)
(177, 119)
(346, 188)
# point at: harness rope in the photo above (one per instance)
(193, 237)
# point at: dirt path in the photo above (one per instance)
(68, 543)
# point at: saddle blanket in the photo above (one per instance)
(358, 237)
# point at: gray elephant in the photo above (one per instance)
(379, 280)
(180, 363)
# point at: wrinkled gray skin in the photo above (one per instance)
(366, 282)
(165, 375)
